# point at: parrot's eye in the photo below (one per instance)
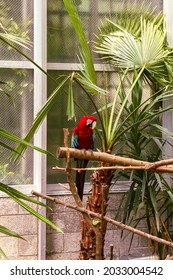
(89, 122)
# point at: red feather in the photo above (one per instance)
(83, 138)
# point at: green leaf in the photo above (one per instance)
(13, 192)
(9, 232)
(36, 214)
(39, 119)
(85, 50)
(17, 139)
(15, 195)
(164, 130)
(16, 40)
(147, 51)
(6, 147)
(70, 105)
(2, 255)
(154, 204)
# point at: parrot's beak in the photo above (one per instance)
(94, 124)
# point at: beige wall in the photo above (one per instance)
(60, 246)
(66, 246)
(17, 219)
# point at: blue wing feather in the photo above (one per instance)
(74, 141)
(94, 138)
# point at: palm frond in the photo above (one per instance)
(129, 18)
(11, 191)
(18, 197)
(7, 135)
(127, 51)
(39, 119)
(85, 50)
(9, 232)
(23, 42)
(2, 255)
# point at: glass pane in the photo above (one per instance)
(63, 47)
(57, 119)
(62, 42)
(16, 115)
(16, 17)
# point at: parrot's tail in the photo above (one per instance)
(80, 179)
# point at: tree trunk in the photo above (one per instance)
(92, 241)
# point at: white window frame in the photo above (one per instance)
(40, 97)
(168, 116)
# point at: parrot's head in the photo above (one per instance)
(87, 121)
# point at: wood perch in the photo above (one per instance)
(118, 162)
(99, 156)
(109, 220)
(69, 176)
(167, 169)
(94, 218)
(68, 170)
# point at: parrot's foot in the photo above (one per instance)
(91, 151)
(84, 151)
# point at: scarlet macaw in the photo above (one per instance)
(83, 137)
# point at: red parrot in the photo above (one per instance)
(83, 138)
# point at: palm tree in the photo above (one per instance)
(135, 44)
(143, 50)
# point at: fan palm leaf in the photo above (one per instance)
(148, 51)
(129, 19)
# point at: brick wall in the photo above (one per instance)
(61, 246)
(66, 246)
(17, 219)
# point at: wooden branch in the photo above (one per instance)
(118, 162)
(66, 137)
(109, 220)
(111, 251)
(99, 156)
(167, 169)
(68, 170)
(70, 179)
(156, 164)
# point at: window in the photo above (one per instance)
(17, 110)
(55, 47)
(22, 17)
(63, 50)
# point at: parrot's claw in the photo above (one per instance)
(91, 151)
(84, 151)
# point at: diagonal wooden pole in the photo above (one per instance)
(106, 218)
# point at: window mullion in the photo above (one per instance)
(167, 9)
(168, 116)
(40, 96)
